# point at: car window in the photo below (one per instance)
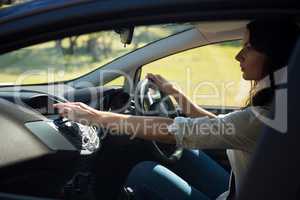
(73, 57)
(116, 82)
(208, 75)
(9, 3)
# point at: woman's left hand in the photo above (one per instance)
(79, 112)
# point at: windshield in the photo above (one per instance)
(72, 57)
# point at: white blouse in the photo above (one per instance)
(237, 132)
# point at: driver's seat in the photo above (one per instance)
(275, 170)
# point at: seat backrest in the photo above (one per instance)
(275, 170)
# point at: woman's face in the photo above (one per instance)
(252, 62)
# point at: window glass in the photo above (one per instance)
(116, 82)
(73, 57)
(208, 75)
(9, 3)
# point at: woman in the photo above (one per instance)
(266, 49)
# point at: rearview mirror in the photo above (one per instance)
(126, 34)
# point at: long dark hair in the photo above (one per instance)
(275, 38)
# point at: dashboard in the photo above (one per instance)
(86, 139)
(36, 144)
(49, 131)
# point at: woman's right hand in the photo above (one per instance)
(163, 85)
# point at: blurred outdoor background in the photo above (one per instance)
(209, 75)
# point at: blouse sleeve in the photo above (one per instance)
(237, 130)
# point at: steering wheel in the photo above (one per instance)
(150, 101)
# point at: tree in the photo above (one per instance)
(10, 2)
(100, 45)
(70, 48)
(6, 2)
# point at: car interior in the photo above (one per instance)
(45, 156)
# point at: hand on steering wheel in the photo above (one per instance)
(149, 100)
(163, 85)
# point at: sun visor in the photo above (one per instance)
(217, 31)
(221, 26)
